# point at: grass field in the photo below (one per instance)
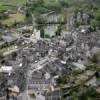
(4, 6)
(18, 17)
(9, 4)
(12, 4)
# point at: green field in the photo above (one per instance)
(12, 4)
(18, 17)
(9, 4)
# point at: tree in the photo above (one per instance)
(58, 32)
(94, 58)
(97, 15)
(1, 56)
(77, 24)
(75, 95)
(37, 5)
(62, 79)
(41, 10)
(63, 3)
(32, 95)
(27, 14)
(93, 22)
(47, 36)
(14, 54)
(42, 33)
(3, 16)
(39, 18)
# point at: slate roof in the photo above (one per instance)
(8, 38)
(39, 81)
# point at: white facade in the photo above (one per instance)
(79, 66)
(35, 36)
(6, 69)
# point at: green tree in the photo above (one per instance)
(75, 95)
(93, 22)
(64, 3)
(27, 14)
(58, 32)
(32, 95)
(62, 79)
(97, 15)
(39, 19)
(94, 58)
(47, 36)
(14, 55)
(42, 34)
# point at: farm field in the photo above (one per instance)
(9, 4)
(17, 17)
